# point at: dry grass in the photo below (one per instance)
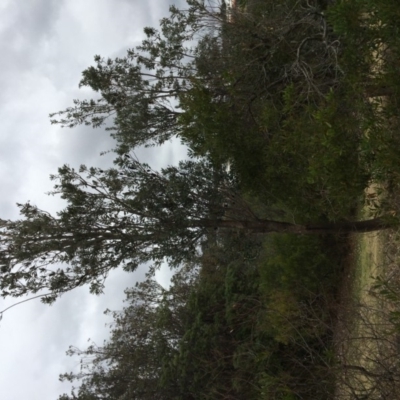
(367, 342)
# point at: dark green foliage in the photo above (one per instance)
(219, 353)
(371, 50)
(315, 168)
(144, 333)
(140, 92)
(114, 218)
(220, 331)
(208, 78)
(284, 254)
(279, 89)
(297, 284)
(238, 108)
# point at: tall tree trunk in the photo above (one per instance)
(267, 226)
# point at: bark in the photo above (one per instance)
(268, 226)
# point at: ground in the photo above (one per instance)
(366, 339)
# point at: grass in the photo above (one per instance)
(367, 344)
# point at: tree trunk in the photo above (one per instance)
(267, 226)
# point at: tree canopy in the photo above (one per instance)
(130, 216)
(279, 90)
(118, 217)
(238, 58)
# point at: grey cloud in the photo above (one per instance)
(45, 45)
(23, 29)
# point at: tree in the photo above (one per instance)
(115, 217)
(261, 85)
(128, 216)
(212, 335)
(144, 335)
(241, 56)
(142, 89)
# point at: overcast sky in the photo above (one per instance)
(44, 47)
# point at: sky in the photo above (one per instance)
(44, 47)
